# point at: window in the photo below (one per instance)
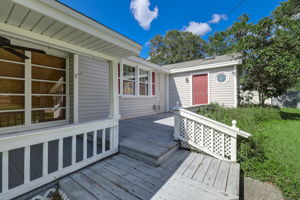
(48, 88)
(144, 81)
(128, 80)
(12, 89)
(221, 77)
(47, 92)
(153, 83)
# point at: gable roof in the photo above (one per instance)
(205, 61)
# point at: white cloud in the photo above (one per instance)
(201, 28)
(216, 18)
(198, 28)
(142, 13)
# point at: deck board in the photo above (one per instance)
(127, 178)
(222, 176)
(212, 172)
(108, 185)
(233, 179)
(202, 169)
(190, 171)
(123, 183)
(93, 187)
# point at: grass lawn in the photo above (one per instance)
(273, 153)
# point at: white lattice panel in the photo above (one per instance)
(227, 147)
(181, 126)
(218, 143)
(189, 130)
(198, 134)
(207, 143)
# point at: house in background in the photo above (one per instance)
(204, 81)
(65, 82)
(146, 88)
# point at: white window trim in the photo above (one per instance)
(147, 83)
(137, 80)
(191, 87)
(222, 72)
(28, 95)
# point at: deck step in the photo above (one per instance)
(148, 154)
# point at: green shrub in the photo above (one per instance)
(272, 153)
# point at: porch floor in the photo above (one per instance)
(185, 175)
(148, 138)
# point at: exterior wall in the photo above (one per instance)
(93, 94)
(134, 106)
(180, 88)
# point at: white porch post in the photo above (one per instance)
(75, 88)
(167, 91)
(113, 88)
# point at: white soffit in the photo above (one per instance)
(50, 19)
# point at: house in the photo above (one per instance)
(204, 81)
(193, 83)
(65, 82)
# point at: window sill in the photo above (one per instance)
(135, 96)
(20, 130)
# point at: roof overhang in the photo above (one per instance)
(207, 66)
(146, 63)
(55, 24)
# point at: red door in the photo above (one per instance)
(200, 89)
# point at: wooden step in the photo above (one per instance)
(150, 154)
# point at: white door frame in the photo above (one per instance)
(191, 87)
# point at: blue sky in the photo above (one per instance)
(141, 20)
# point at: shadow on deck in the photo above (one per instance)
(149, 166)
(184, 175)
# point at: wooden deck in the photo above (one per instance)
(149, 166)
(184, 175)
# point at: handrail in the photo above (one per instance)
(207, 135)
(91, 141)
(202, 119)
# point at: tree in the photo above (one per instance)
(176, 46)
(270, 50)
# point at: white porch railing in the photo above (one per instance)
(207, 135)
(93, 141)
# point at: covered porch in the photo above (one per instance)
(59, 110)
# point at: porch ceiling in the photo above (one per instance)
(56, 21)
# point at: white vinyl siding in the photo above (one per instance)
(94, 99)
(143, 105)
(221, 93)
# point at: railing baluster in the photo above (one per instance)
(60, 153)
(74, 149)
(116, 137)
(103, 140)
(212, 139)
(111, 137)
(193, 132)
(95, 143)
(222, 144)
(202, 135)
(5, 171)
(84, 146)
(26, 164)
(185, 128)
(45, 158)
